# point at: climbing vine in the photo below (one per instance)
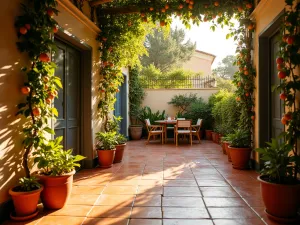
(35, 28)
(122, 35)
(288, 72)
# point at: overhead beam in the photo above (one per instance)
(121, 10)
(99, 2)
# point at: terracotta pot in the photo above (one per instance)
(281, 201)
(208, 134)
(223, 148)
(106, 158)
(240, 157)
(57, 190)
(136, 132)
(217, 138)
(226, 144)
(25, 203)
(119, 153)
(213, 136)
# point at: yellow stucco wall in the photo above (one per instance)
(264, 14)
(11, 80)
(199, 62)
(158, 99)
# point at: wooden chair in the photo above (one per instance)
(183, 127)
(154, 130)
(196, 129)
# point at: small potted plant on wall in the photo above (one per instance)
(25, 197)
(56, 169)
(280, 186)
(106, 148)
(240, 149)
(120, 147)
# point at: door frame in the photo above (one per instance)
(86, 141)
(264, 80)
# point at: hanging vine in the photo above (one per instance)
(123, 34)
(35, 28)
(288, 72)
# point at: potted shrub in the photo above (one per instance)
(280, 187)
(25, 197)
(56, 169)
(226, 143)
(120, 147)
(240, 149)
(106, 148)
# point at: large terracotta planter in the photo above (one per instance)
(208, 134)
(213, 136)
(106, 158)
(57, 190)
(281, 201)
(226, 144)
(119, 153)
(136, 132)
(25, 203)
(240, 157)
(217, 138)
(223, 147)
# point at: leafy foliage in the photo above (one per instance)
(183, 102)
(113, 124)
(52, 160)
(35, 27)
(106, 140)
(120, 139)
(27, 184)
(226, 68)
(279, 166)
(136, 94)
(146, 113)
(225, 84)
(167, 52)
(240, 139)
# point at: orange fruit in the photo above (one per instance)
(36, 111)
(283, 121)
(23, 30)
(25, 90)
(44, 57)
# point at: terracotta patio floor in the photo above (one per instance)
(163, 185)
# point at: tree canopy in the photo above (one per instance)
(167, 51)
(226, 67)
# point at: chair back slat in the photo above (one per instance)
(199, 122)
(180, 118)
(147, 121)
(184, 123)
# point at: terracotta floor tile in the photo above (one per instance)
(200, 177)
(87, 190)
(120, 190)
(180, 183)
(185, 202)
(82, 199)
(181, 191)
(91, 182)
(187, 222)
(105, 221)
(61, 220)
(150, 182)
(147, 200)
(224, 202)
(212, 183)
(255, 202)
(145, 222)
(29, 222)
(232, 213)
(116, 200)
(72, 210)
(250, 221)
(130, 182)
(184, 213)
(110, 211)
(146, 212)
(218, 192)
(150, 190)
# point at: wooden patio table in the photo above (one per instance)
(165, 123)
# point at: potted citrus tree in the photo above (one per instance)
(56, 169)
(240, 149)
(120, 147)
(106, 148)
(280, 186)
(25, 197)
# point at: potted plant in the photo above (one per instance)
(106, 148)
(56, 169)
(280, 186)
(120, 147)
(240, 149)
(226, 143)
(25, 197)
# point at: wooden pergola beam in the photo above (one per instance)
(121, 10)
(99, 2)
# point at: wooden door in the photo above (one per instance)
(68, 103)
(276, 105)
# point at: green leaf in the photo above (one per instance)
(49, 130)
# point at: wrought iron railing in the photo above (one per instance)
(185, 83)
